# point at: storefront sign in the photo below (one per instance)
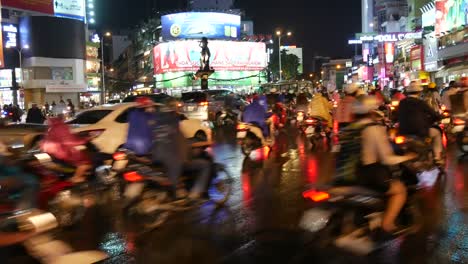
(41, 6)
(390, 37)
(66, 88)
(389, 49)
(180, 56)
(10, 34)
(75, 9)
(417, 58)
(6, 78)
(195, 25)
(430, 54)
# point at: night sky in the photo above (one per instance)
(321, 27)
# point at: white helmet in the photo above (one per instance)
(351, 88)
(414, 87)
(273, 90)
(365, 105)
(291, 91)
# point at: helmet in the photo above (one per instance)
(291, 91)
(365, 105)
(144, 101)
(414, 87)
(432, 85)
(273, 90)
(351, 88)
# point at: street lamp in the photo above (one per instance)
(278, 33)
(103, 69)
(20, 55)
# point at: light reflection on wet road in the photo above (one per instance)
(259, 223)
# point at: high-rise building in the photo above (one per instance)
(367, 14)
(211, 4)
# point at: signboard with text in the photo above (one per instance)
(10, 35)
(180, 56)
(195, 25)
(41, 6)
(75, 9)
(388, 37)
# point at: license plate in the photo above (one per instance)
(43, 157)
(119, 165)
(446, 121)
(133, 190)
(300, 118)
(310, 130)
(241, 134)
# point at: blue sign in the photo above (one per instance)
(195, 25)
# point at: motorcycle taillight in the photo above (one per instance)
(316, 196)
(132, 176)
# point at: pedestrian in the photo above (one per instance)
(71, 107)
(35, 115)
(17, 113)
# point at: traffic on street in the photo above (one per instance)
(177, 134)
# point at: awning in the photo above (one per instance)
(459, 69)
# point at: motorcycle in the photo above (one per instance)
(146, 189)
(251, 137)
(461, 131)
(315, 130)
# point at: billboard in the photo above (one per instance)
(41, 6)
(450, 14)
(75, 9)
(10, 35)
(195, 25)
(180, 56)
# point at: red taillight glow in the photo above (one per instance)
(458, 122)
(316, 196)
(400, 140)
(179, 105)
(119, 156)
(203, 104)
(132, 176)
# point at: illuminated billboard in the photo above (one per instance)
(75, 9)
(180, 56)
(195, 25)
(41, 6)
(450, 14)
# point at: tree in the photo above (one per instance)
(289, 65)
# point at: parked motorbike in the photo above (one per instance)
(146, 189)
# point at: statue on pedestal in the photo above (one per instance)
(205, 55)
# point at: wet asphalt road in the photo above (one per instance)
(259, 223)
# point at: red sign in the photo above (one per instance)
(41, 6)
(417, 58)
(180, 56)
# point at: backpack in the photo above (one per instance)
(349, 157)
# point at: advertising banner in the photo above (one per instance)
(430, 54)
(450, 14)
(41, 6)
(180, 56)
(195, 25)
(75, 9)
(10, 35)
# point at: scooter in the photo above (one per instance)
(146, 189)
(251, 138)
(315, 130)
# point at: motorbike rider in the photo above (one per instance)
(432, 97)
(320, 107)
(344, 114)
(171, 149)
(416, 118)
(272, 98)
(371, 167)
(255, 113)
(140, 127)
(302, 101)
(452, 89)
(63, 145)
(397, 94)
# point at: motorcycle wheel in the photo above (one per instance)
(67, 213)
(221, 187)
(150, 209)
